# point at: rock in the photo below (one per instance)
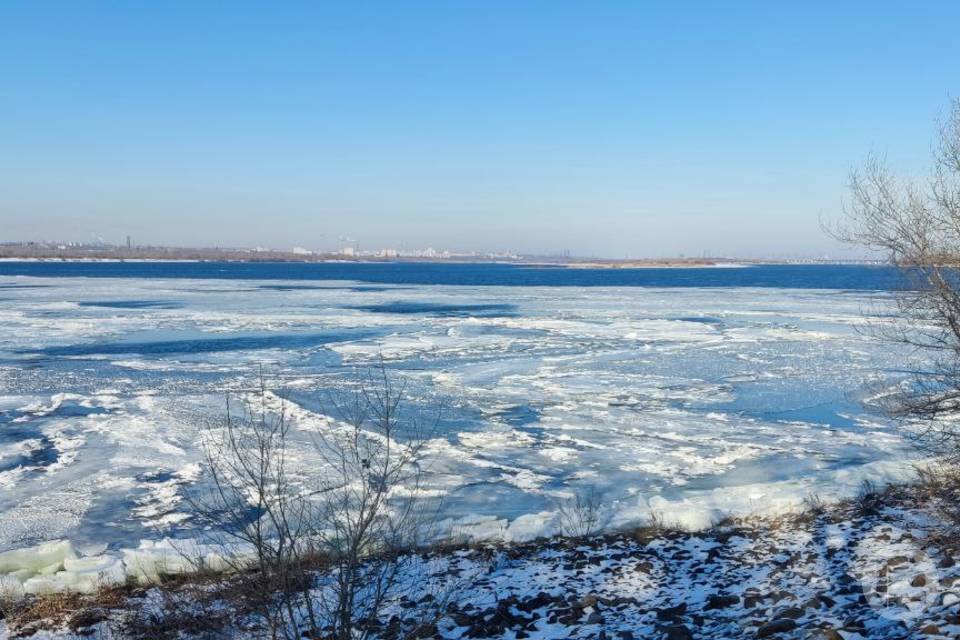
(539, 601)
(82, 621)
(930, 630)
(825, 634)
(793, 613)
(721, 602)
(897, 561)
(462, 619)
(424, 632)
(677, 632)
(672, 613)
(781, 625)
(854, 624)
(919, 580)
(618, 601)
(947, 562)
(594, 618)
(625, 635)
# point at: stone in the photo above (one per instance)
(539, 601)
(793, 613)
(919, 580)
(897, 561)
(854, 624)
(721, 602)
(772, 628)
(930, 630)
(677, 632)
(672, 613)
(462, 619)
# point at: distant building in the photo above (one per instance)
(348, 251)
(300, 251)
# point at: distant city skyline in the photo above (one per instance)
(609, 129)
(354, 250)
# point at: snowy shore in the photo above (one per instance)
(883, 565)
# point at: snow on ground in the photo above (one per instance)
(844, 574)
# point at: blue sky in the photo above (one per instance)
(605, 128)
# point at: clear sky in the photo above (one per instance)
(605, 128)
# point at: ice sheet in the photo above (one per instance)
(694, 402)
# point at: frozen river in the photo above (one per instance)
(739, 395)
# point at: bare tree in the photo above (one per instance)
(324, 550)
(915, 224)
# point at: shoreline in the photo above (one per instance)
(30, 569)
(882, 564)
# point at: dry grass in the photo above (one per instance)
(172, 615)
(28, 615)
(938, 488)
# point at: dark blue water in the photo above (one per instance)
(842, 277)
(200, 344)
(441, 310)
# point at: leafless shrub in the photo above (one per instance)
(938, 488)
(255, 513)
(370, 514)
(869, 499)
(321, 552)
(583, 514)
(656, 520)
(813, 505)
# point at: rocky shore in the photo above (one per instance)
(883, 565)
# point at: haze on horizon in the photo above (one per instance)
(610, 129)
